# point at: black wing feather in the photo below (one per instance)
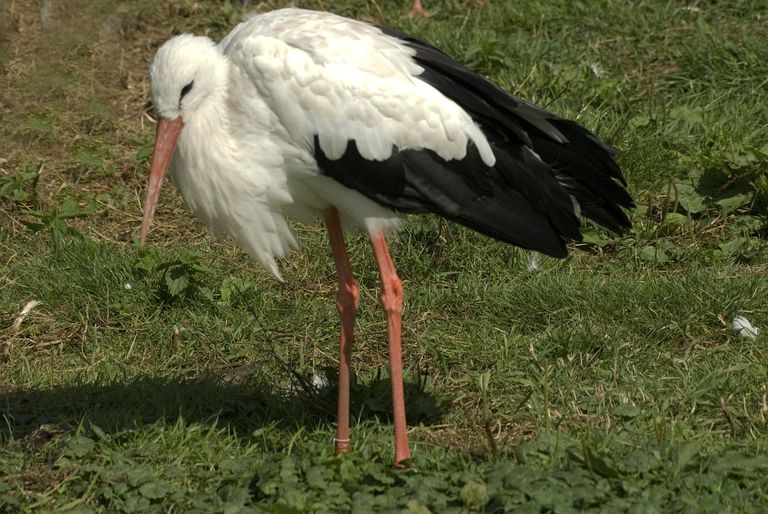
(542, 161)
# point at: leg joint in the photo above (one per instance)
(392, 294)
(347, 297)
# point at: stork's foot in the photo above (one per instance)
(402, 454)
(342, 446)
(403, 464)
(417, 10)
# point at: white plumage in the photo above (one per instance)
(245, 158)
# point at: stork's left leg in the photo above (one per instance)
(346, 302)
(392, 302)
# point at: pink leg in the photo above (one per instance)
(417, 10)
(346, 302)
(392, 302)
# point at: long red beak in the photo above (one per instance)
(165, 143)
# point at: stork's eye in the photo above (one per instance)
(186, 89)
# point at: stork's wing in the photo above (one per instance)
(582, 164)
(343, 80)
(399, 121)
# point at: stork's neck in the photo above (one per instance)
(204, 138)
(213, 107)
(207, 167)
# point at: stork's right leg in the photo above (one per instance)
(392, 302)
(346, 302)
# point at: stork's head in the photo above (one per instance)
(185, 75)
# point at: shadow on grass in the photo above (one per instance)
(243, 408)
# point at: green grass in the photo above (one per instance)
(177, 377)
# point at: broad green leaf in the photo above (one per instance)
(177, 280)
(639, 121)
(593, 462)
(474, 495)
(675, 219)
(653, 254)
(595, 236)
(685, 455)
(415, 507)
(686, 114)
(741, 464)
(147, 263)
(234, 495)
(688, 198)
(639, 461)
(155, 489)
(734, 202)
(137, 476)
(80, 446)
(627, 410)
(734, 245)
(599, 465)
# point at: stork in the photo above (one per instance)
(304, 115)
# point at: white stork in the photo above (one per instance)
(300, 114)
